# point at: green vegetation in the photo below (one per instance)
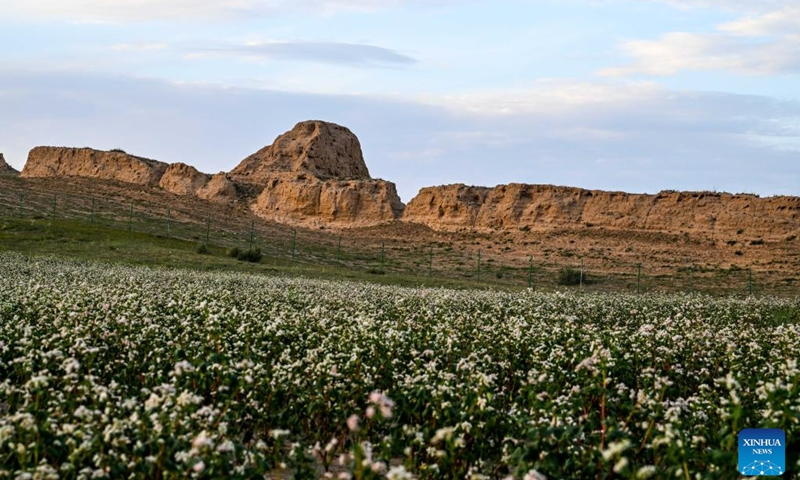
(134, 372)
(156, 242)
(252, 255)
(68, 238)
(570, 277)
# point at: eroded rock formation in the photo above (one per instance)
(321, 149)
(183, 179)
(447, 207)
(6, 169)
(219, 189)
(311, 175)
(517, 205)
(87, 162)
(302, 199)
(177, 178)
(315, 174)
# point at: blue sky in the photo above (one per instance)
(634, 95)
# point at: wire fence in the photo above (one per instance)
(489, 263)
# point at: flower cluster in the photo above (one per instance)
(124, 372)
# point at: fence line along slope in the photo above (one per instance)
(615, 260)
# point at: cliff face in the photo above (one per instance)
(447, 207)
(312, 175)
(320, 149)
(544, 206)
(182, 179)
(6, 169)
(315, 175)
(86, 162)
(177, 178)
(219, 189)
(302, 200)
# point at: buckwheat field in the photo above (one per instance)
(122, 372)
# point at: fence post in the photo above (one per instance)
(383, 255)
(91, 215)
(294, 243)
(208, 228)
(581, 279)
(691, 279)
(169, 217)
(55, 201)
(339, 251)
(639, 279)
(750, 281)
(21, 200)
(130, 219)
(430, 262)
(479, 265)
(530, 272)
(252, 227)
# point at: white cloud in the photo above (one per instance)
(763, 44)
(137, 47)
(128, 10)
(647, 138)
(678, 51)
(779, 22)
(548, 96)
(337, 53)
(123, 11)
(733, 5)
(588, 133)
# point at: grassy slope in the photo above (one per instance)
(671, 262)
(79, 239)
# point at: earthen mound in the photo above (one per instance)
(6, 169)
(183, 179)
(219, 189)
(304, 200)
(87, 162)
(447, 207)
(541, 207)
(320, 149)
